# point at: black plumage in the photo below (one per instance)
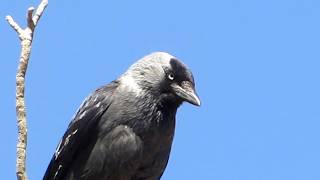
(124, 130)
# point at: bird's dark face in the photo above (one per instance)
(164, 76)
(179, 81)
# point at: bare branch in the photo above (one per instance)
(42, 6)
(26, 37)
(13, 24)
(30, 22)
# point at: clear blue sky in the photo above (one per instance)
(256, 65)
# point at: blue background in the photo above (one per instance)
(256, 65)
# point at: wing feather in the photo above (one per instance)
(80, 131)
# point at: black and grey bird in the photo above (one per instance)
(124, 130)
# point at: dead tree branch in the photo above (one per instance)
(26, 37)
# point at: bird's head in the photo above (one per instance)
(164, 76)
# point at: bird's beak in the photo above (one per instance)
(186, 92)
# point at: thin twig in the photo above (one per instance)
(26, 37)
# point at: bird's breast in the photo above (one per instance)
(157, 139)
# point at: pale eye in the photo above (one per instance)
(171, 76)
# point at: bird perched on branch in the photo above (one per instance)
(124, 130)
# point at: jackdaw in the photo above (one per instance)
(124, 130)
